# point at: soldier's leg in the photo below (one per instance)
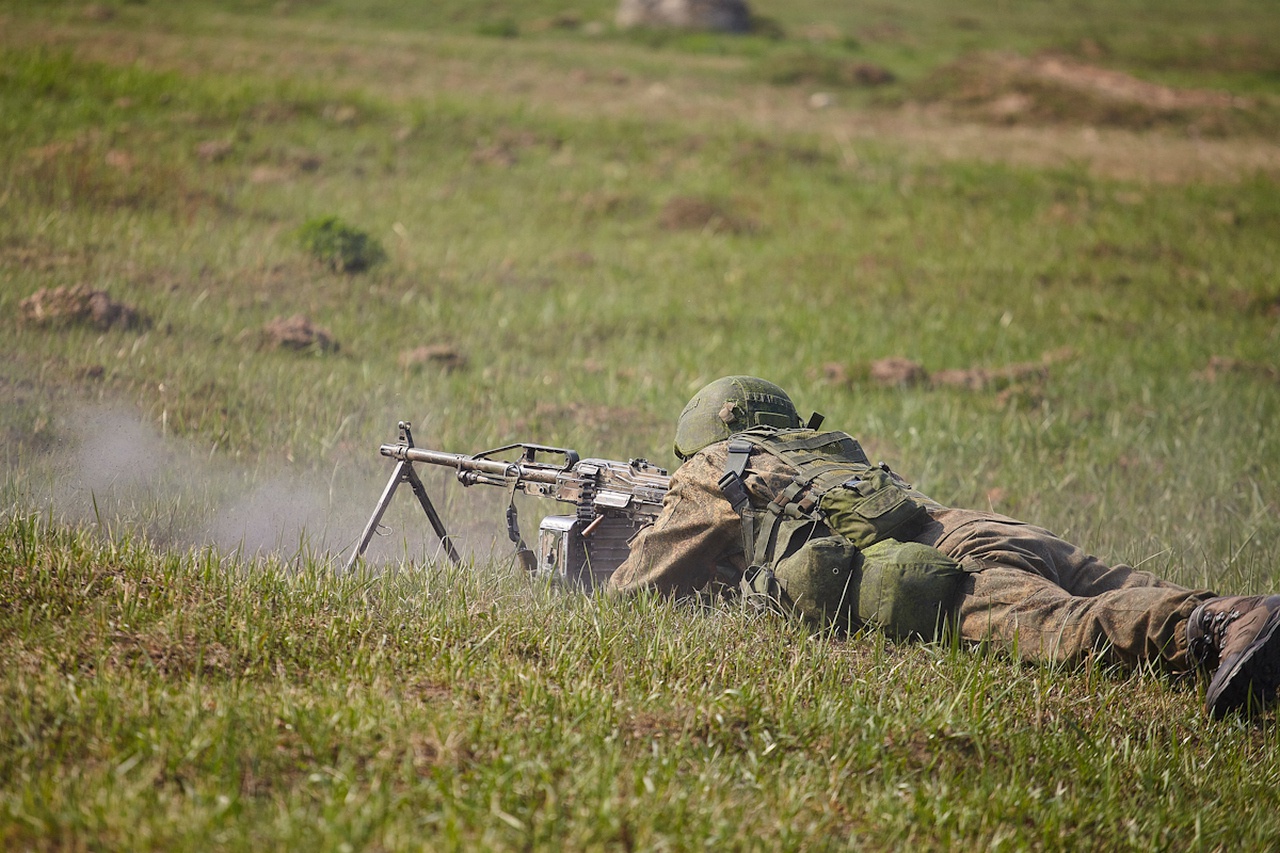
(1033, 617)
(1036, 594)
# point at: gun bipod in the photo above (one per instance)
(404, 473)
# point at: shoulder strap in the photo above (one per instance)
(822, 461)
(801, 446)
(736, 492)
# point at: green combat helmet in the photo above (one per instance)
(729, 405)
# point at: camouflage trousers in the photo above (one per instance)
(1037, 596)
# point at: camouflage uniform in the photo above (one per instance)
(1027, 591)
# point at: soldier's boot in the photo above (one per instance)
(1236, 640)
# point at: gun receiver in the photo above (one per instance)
(612, 501)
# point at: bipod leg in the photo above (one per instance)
(372, 526)
(434, 517)
(403, 473)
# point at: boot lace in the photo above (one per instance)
(1206, 646)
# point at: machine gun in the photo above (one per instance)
(612, 501)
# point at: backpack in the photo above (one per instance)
(832, 546)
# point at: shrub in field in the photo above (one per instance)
(342, 247)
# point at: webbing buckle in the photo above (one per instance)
(734, 491)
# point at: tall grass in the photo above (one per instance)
(161, 700)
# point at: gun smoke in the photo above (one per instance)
(118, 473)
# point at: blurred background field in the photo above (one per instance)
(1025, 252)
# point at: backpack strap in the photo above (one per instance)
(735, 491)
(801, 497)
(821, 461)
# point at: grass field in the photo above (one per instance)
(1064, 214)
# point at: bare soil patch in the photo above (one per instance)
(1220, 366)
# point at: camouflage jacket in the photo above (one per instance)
(695, 544)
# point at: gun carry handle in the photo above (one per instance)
(529, 453)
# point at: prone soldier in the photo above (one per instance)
(798, 518)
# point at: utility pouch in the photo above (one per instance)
(815, 574)
(833, 546)
(871, 507)
(907, 589)
(904, 589)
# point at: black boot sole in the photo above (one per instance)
(1250, 679)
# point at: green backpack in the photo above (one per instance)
(830, 547)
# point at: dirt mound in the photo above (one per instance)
(298, 333)
(691, 213)
(444, 356)
(899, 372)
(1010, 89)
(895, 371)
(722, 16)
(79, 305)
(1220, 366)
(1119, 86)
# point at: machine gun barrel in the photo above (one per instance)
(612, 500)
(494, 472)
